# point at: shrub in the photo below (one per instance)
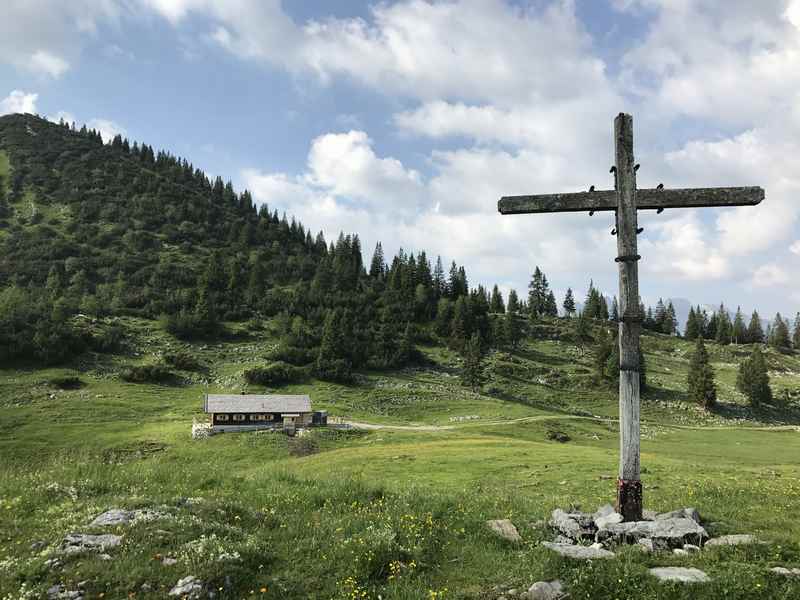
(67, 382)
(147, 374)
(753, 380)
(292, 355)
(275, 373)
(183, 361)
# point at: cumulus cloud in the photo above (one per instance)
(18, 102)
(770, 275)
(795, 248)
(44, 37)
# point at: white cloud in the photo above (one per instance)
(770, 275)
(18, 102)
(795, 248)
(45, 38)
(44, 62)
(108, 129)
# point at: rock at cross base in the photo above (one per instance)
(683, 513)
(119, 516)
(732, 540)
(575, 525)
(610, 519)
(682, 574)
(546, 590)
(505, 529)
(676, 532)
(188, 587)
(578, 552)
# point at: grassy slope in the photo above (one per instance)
(331, 515)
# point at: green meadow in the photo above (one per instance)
(396, 511)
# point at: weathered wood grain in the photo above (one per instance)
(629, 504)
(646, 199)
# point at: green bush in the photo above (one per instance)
(147, 374)
(292, 355)
(275, 373)
(67, 382)
(183, 361)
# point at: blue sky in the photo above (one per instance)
(405, 121)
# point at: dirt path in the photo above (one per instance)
(478, 423)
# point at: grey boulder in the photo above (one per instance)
(575, 525)
(681, 574)
(505, 529)
(546, 590)
(682, 513)
(188, 587)
(75, 543)
(119, 516)
(732, 540)
(785, 572)
(578, 552)
(676, 532)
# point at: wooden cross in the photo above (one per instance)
(624, 200)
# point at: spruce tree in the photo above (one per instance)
(660, 316)
(497, 305)
(332, 361)
(753, 380)
(536, 293)
(670, 320)
(779, 336)
(405, 349)
(461, 325)
(614, 316)
(701, 377)
(569, 303)
(724, 326)
(377, 266)
(471, 374)
(603, 350)
(739, 331)
(550, 307)
(513, 302)
(513, 326)
(692, 330)
(796, 334)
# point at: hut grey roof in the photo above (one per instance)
(257, 403)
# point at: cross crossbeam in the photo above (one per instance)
(646, 199)
(626, 200)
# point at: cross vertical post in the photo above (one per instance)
(629, 485)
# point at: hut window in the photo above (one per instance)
(258, 417)
(238, 417)
(222, 417)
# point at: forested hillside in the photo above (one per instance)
(122, 230)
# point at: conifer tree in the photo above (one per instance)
(550, 307)
(692, 330)
(377, 266)
(603, 350)
(461, 326)
(444, 318)
(670, 320)
(702, 388)
(739, 331)
(405, 349)
(753, 380)
(660, 316)
(332, 361)
(513, 302)
(710, 330)
(569, 303)
(471, 374)
(497, 305)
(724, 326)
(796, 334)
(614, 316)
(537, 294)
(779, 335)
(513, 326)
(439, 281)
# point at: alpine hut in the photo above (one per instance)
(243, 412)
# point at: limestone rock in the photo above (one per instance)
(690, 548)
(786, 572)
(575, 525)
(188, 587)
(676, 532)
(610, 519)
(562, 539)
(646, 545)
(681, 574)
(604, 511)
(578, 552)
(168, 561)
(119, 516)
(680, 552)
(683, 513)
(546, 590)
(58, 592)
(505, 529)
(75, 543)
(649, 515)
(732, 540)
